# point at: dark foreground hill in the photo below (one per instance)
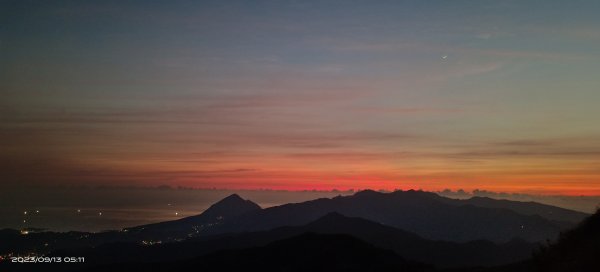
(306, 252)
(408, 245)
(576, 250)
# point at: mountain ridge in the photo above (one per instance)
(407, 245)
(419, 212)
(230, 206)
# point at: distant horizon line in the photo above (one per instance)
(456, 192)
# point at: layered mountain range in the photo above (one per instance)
(402, 230)
(426, 214)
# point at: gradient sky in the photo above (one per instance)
(496, 95)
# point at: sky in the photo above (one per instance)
(301, 95)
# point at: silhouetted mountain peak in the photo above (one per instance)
(481, 198)
(231, 206)
(226, 208)
(415, 193)
(367, 193)
(232, 198)
(398, 193)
